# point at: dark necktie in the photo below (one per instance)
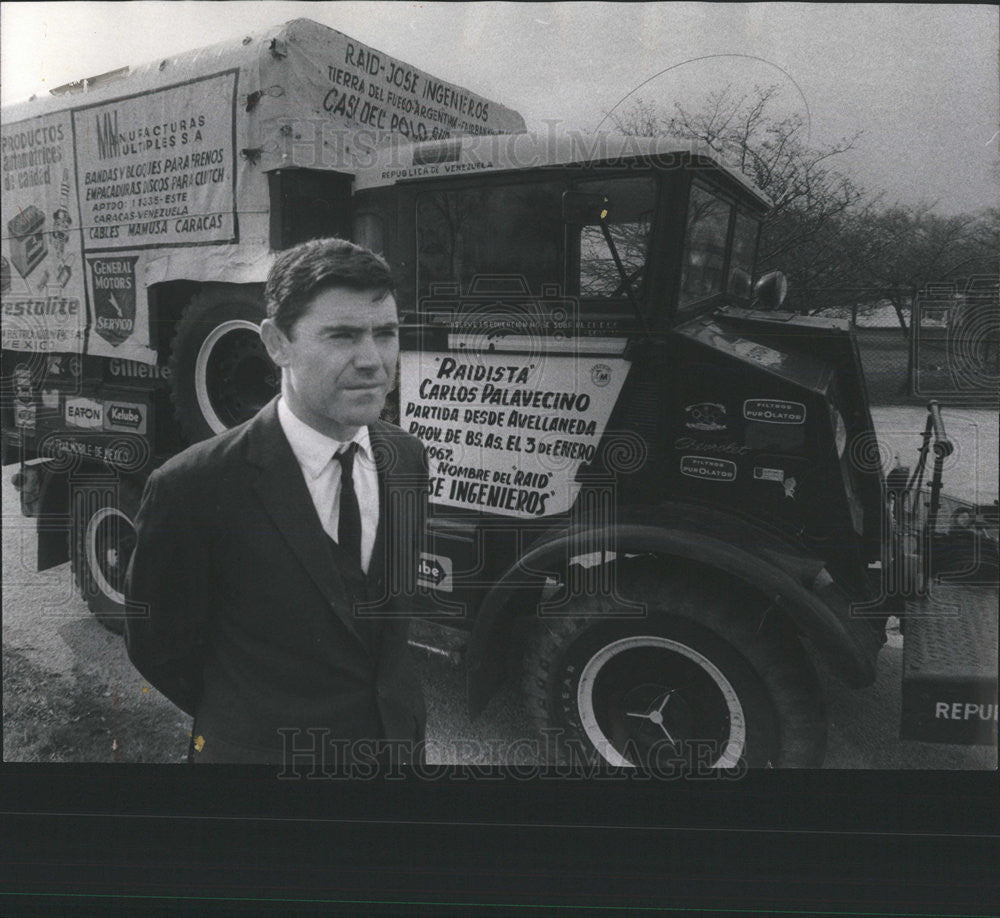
(349, 526)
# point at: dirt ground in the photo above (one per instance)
(49, 717)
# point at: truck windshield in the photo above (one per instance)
(630, 220)
(704, 248)
(513, 234)
(744, 253)
(512, 231)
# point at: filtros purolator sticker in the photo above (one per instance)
(774, 411)
(708, 468)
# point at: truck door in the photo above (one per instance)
(517, 359)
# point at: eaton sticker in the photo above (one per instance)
(435, 572)
(84, 412)
(762, 474)
(774, 411)
(126, 416)
(708, 468)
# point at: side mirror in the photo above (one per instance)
(581, 208)
(770, 291)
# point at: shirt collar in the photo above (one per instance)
(313, 449)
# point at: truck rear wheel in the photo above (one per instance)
(103, 538)
(221, 373)
(699, 682)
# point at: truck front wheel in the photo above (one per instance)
(698, 682)
(103, 538)
(220, 371)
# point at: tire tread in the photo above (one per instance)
(765, 641)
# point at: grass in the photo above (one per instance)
(52, 718)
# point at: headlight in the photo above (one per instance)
(839, 433)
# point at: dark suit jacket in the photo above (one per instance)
(238, 614)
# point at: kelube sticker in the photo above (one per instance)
(708, 416)
(774, 411)
(83, 412)
(708, 468)
(126, 416)
(435, 572)
(763, 474)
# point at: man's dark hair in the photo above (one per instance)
(310, 267)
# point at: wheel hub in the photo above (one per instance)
(233, 376)
(627, 709)
(240, 376)
(109, 541)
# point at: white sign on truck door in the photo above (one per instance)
(507, 433)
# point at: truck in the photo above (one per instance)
(656, 497)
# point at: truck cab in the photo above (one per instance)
(644, 473)
(599, 421)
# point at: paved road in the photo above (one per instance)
(75, 669)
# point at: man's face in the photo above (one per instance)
(339, 361)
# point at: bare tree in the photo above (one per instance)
(812, 200)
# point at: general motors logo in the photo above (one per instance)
(113, 281)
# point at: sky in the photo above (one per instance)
(920, 82)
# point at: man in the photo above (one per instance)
(257, 590)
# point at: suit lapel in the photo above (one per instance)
(282, 490)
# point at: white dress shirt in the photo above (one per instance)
(314, 452)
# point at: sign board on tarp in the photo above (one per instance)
(158, 169)
(42, 282)
(328, 101)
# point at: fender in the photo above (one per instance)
(52, 516)
(795, 580)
